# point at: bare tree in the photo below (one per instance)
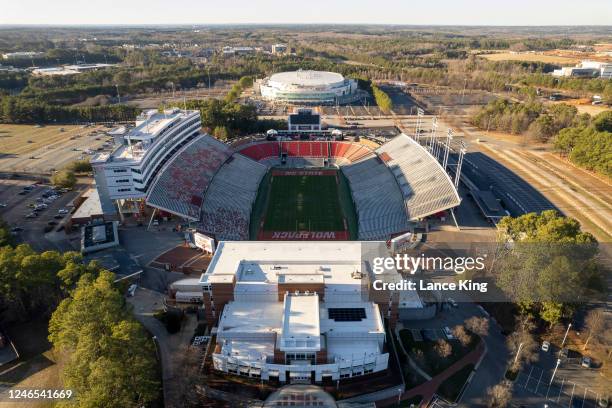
(522, 343)
(478, 325)
(595, 323)
(462, 335)
(499, 395)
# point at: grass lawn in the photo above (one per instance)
(451, 387)
(425, 355)
(304, 203)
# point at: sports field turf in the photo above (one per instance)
(306, 203)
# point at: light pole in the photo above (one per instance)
(518, 352)
(555, 371)
(399, 397)
(569, 326)
(118, 96)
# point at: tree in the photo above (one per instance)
(478, 325)
(499, 395)
(64, 178)
(603, 121)
(110, 358)
(443, 348)
(522, 343)
(382, 99)
(80, 166)
(551, 312)
(595, 324)
(221, 133)
(462, 335)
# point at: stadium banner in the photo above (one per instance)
(204, 242)
(304, 172)
(303, 236)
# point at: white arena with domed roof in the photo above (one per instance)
(308, 87)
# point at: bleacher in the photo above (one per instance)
(425, 186)
(227, 205)
(180, 186)
(349, 151)
(378, 200)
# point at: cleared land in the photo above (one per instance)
(304, 203)
(531, 57)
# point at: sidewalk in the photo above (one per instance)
(428, 389)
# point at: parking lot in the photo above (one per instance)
(43, 227)
(573, 386)
(44, 149)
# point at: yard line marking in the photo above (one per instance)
(584, 397)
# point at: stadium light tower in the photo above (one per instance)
(432, 136)
(417, 133)
(462, 151)
(449, 138)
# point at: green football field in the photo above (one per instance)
(304, 203)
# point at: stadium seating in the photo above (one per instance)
(425, 186)
(378, 200)
(227, 205)
(180, 185)
(349, 151)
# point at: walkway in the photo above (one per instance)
(428, 389)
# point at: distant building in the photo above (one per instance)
(69, 69)
(308, 87)
(21, 55)
(279, 48)
(229, 51)
(586, 69)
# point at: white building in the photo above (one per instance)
(127, 173)
(21, 55)
(295, 311)
(279, 48)
(308, 87)
(586, 69)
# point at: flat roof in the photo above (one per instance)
(301, 330)
(91, 205)
(307, 78)
(286, 261)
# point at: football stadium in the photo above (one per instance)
(308, 87)
(298, 186)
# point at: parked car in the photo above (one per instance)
(452, 302)
(586, 362)
(545, 346)
(58, 217)
(31, 215)
(428, 335)
(448, 333)
(2, 205)
(63, 211)
(16, 229)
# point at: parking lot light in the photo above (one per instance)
(555, 371)
(569, 326)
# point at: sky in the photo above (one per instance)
(438, 12)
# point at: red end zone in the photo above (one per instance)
(303, 236)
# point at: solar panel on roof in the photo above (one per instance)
(345, 314)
